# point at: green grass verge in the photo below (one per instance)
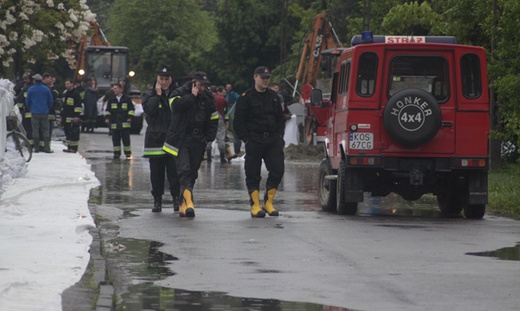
(504, 193)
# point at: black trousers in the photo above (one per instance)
(117, 136)
(188, 163)
(161, 167)
(273, 157)
(72, 134)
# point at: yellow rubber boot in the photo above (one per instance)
(268, 202)
(256, 210)
(189, 207)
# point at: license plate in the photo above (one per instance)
(361, 141)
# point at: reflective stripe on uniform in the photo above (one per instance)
(154, 151)
(170, 101)
(131, 113)
(126, 125)
(214, 115)
(171, 149)
(78, 109)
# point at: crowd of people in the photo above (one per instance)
(182, 124)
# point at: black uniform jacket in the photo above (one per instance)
(259, 116)
(71, 106)
(158, 117)
(119, 111)
(193, 118)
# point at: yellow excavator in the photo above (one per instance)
(320, 51)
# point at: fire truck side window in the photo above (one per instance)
(429, 73)
(343, 78)
(366, 77)
(471, 81)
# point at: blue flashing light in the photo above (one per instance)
(367, 37)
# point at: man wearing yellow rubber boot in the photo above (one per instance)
(259, 122)
(194, 123)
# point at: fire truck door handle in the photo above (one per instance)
(446, 124)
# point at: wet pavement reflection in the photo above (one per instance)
(506, 253)
(126, 186)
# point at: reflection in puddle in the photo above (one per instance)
(143, 259)
(506, 253)
(151, 297)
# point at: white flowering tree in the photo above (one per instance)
(36, 31)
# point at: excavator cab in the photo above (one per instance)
(107, 65)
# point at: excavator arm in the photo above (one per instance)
(323, 37)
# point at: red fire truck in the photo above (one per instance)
(408, 115)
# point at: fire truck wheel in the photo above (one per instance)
(326, 187)
(475, 211)
(412, 117)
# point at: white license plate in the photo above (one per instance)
(361, 141)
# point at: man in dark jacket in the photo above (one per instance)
(194, 124)
(158, 116)
(259, 122)
(70, 114)
(118, 116)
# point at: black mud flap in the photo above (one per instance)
(478, 187)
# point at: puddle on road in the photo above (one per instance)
(506, 253)
(144, 262)
(150, 297)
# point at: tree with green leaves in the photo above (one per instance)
(162, 33)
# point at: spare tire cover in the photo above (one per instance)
(412, 117)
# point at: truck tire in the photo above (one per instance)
(475, 211)
(412, 117)
(326, 187)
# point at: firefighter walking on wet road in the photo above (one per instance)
(194, 123)
(158, 116)
(259, 122)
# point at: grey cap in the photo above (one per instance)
(37, 77)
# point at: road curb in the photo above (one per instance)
(106, 291)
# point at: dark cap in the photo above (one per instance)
(263, 71)
(37, 77)
(165, 72)
(201, 76)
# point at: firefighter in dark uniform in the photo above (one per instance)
(158, 116)
(259, 122)
(24, 111)
(70, 114)
(194, 123)
(118, 117)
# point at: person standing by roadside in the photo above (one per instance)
(90, 112)
(70, 113)
(39, 101)
(221, 105)
(158, 117)
(118, 117)
(232, 97)
(260, 123)
(193, 125)
(22, 105)
(48, 80)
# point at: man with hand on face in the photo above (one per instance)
(158, 117)
(260, 124)
(194, 124)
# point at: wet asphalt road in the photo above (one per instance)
(394, 255)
